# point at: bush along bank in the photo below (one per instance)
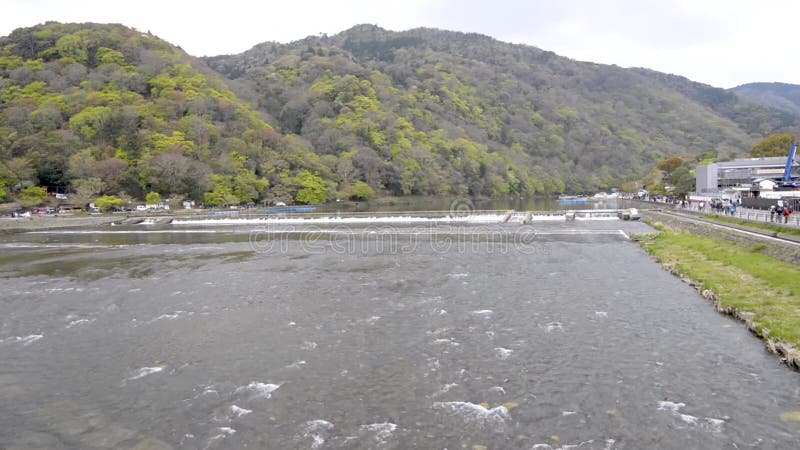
(759, 290)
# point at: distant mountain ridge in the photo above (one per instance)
(783, 96)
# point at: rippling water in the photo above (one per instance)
(551, 336)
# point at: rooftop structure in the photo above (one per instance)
(740, 173)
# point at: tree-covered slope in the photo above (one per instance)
(431, 112)
(105, 109)
(783, 96)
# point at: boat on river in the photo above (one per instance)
(290, 210)
(572, 200)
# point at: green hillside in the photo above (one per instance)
(108, 110)
(484, 117)
(105, 109)
(781, 96)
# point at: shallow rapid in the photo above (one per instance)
(540, 336)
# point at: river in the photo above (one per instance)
(337, 336)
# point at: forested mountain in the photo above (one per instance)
(105, 109)
(781, 96)
(429, 111)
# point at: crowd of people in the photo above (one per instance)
(778, 212)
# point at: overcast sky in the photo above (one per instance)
(720, 42)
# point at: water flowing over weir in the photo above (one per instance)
(373, 335)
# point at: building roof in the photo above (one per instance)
(778, 161)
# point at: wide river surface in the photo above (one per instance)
(359, 336)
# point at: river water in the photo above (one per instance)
(426, 335)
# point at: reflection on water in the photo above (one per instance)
(570, 337)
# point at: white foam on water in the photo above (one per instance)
(24, 340)
(173, 316)
(145, 371)
(497, 389)
(708, 423)
(383, 431)
(258, 390)
(691, 420)
(601, 314)
(554, 326)
(239, 412)
(309, 345)
(503, 353)
(670, 406)
(714, 425)
(449, 341)
(458, 275)
(567, 413)
(30, 339)
(471, 412)
(442, 312)
(315, 430)
(444, 389)
(482, 313)
(75, 323)
(472, 219)
(437, 331)
(296, 364)
(609, 445)
(433, 364)
(373, 319)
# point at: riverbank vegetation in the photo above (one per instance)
(741, 279)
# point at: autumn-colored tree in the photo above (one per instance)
(774, 145)
(669, 165)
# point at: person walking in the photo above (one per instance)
(772, 213)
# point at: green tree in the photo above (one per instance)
(312, 188)
(152, 198)
(3, 191)
(108, 202)
(33, 196)
(774, 145)
(17, 171)
(362, 191)
(683, 180)
(222, 195)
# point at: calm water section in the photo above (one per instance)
(381, 337)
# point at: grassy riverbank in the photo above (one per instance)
(742, 279)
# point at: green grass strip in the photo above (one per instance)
(742, 278)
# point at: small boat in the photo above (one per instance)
(290, 209)
(572, 200)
